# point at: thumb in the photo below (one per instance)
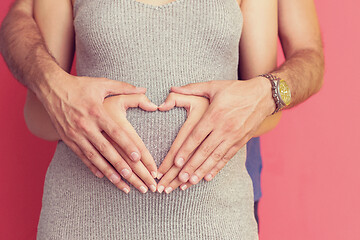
(139, 100)
(203, 89)
(117, 87)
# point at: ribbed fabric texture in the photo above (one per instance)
(175, 44)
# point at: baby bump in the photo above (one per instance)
(158, 130)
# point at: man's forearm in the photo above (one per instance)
(300, 36)
(303, 71)
(24, 50)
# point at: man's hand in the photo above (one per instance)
(116, 106)
(236, 110)
(195, 107)
(75, 106)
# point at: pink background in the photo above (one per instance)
(311, 179)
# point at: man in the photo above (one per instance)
(75, 105)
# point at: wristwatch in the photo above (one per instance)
(280, 91)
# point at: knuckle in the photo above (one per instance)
(216, 115)
(90, 155)
(191, 166)
(217, 155)
(225, 159)
(95, 112)
(71, 133)
(116, 132)
(118, 164)
(103, 147)
(206, 150)
(197, 136)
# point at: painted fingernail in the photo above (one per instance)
(180, 162)
(143, 189)
(194, 179)
(160, 189)
(153, 174)
(125, 173)
(152, 188)
(135, 156)
(168, 190)
(126, 190)
(114, 178)
(184, 177)
(209, 177)
(183, 187)
(99, 174)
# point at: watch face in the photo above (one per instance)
(284, 91)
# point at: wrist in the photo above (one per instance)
(265, 88)
(49, 80)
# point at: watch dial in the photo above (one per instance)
(284, 92)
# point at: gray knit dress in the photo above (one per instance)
(155, 47)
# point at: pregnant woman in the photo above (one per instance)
(155, 45)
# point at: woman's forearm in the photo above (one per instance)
(38, 120)
(268, 124)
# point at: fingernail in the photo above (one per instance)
(161, 105)
(135, 156)
(180, 162)
(126, 190)
(184, 177)
(152, 188)
(159, 175)
(194, 179)
(99, 174)
(168, 190)
(160, 189)
(153, 174)
(208, 177)
(114, 178)
(143, 189)
(153, 105)
(125, 173)
(183, 187)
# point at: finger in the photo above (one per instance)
(80, 154)
(147, 158)
(185, 130)
(199, 89)
(119, 134)
(117, 87)
(142, 176)
(174, 184)
(218, 155)
(95, 158)
(139, 100)
(210, 147)
(108, 151)
(169, 103)
(221, 164)
(202, 129)
(170, 176)
(185, 186)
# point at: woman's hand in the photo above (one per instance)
(116, 107)
(195, 107)
(236, 110)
